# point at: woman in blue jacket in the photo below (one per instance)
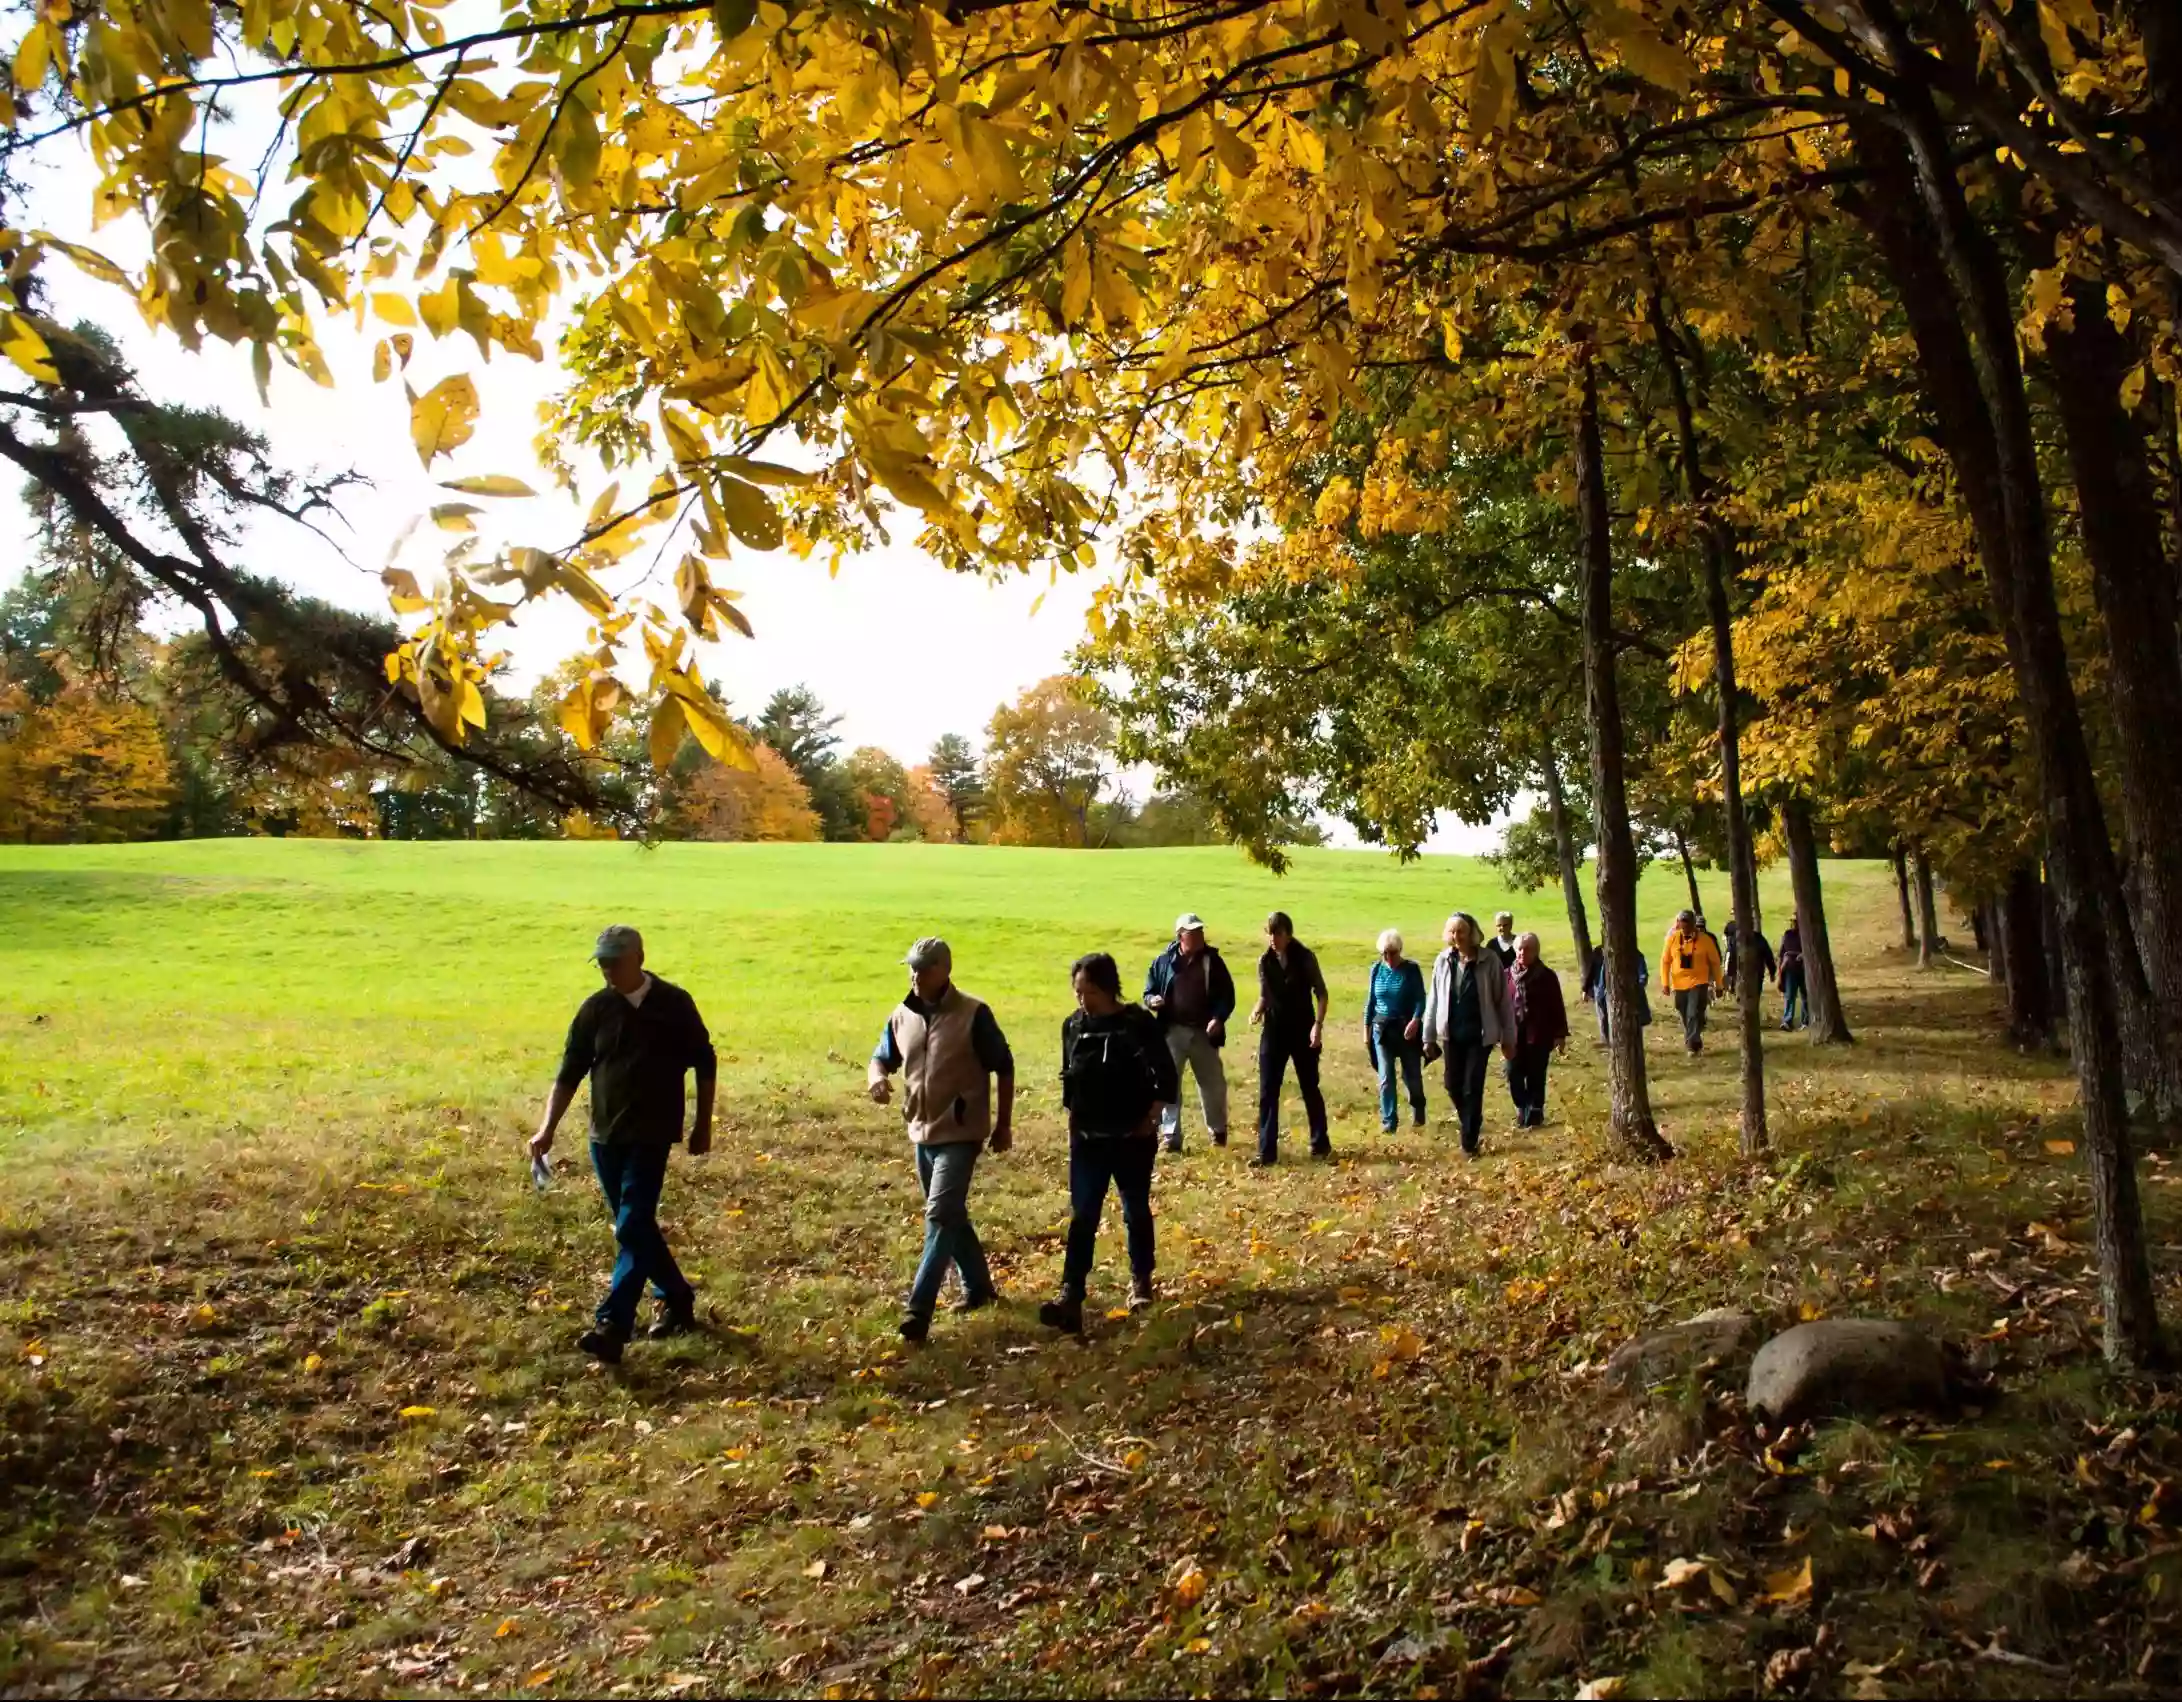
(1394, 1029)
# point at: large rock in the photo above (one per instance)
(1858, 1365)
(1665, 1354)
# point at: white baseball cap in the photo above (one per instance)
(1189, 922)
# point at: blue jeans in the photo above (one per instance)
(1407, 1056)
(631, 1178)
(1795, 998)
(1126, 1163)
(949, 1237)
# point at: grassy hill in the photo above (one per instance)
(290, 1403)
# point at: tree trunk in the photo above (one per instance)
(1564, 846)
(2119, 513)
(1689, 871)
(1901, 892)
(1629, 1092)
(1717, 557)
(1928, 914)
(2049, 934)
(1828, 1025)
(1981, 933)
(2022, 938)
(1992, 442)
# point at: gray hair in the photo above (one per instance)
(1500, 916)
(1390, 940)
(1476, 933)
(1537, 945)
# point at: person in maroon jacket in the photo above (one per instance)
(1541, 1029)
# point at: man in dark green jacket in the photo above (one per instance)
(635, 1038)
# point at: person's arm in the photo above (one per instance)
(1265, 979)
(706, 1061)
(1413, 987)
(1220, 989)
(886, 1058)
(1319, 1003)
(1152, 996)
(1506, 978)
(991, 1047)
(576, 1057)
(1166, 1077)
(1431, 1010)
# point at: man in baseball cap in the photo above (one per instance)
(949, 1050)
(1189, 989)
(635, 1039)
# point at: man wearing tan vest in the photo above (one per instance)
(949, 1049)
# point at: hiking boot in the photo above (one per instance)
(977, 1302)
(915, 1326)
(1219, 1137)
(1141, 1294)
(673, 1322)
(602, 1345)
(1263, 1163)
(1064, 1313)
(1322, 1155)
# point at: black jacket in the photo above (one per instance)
(636, 1057)
(1114, 1068)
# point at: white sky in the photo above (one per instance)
(901, 648)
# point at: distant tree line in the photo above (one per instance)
(110, 731)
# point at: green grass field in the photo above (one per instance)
(291, 1404)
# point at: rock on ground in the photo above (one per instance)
(1718, 1334)
(1862, 1365)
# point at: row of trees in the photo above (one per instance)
(111, 732)
(1749, 408)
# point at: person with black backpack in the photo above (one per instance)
(1117, 1075)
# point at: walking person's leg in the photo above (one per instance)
(645, 1256)
(1132, 1170)
(1518, 1087)
(626, 1286)
(1090, 1169)
(948, 1238)
(1536, 1059)
(1413, 1077)
(1470, 1101)
(1179, 1047)
(1692, 1013)
(1314, 1101)
(1390, 1104)
(1210, 1069)
(1272, 1065)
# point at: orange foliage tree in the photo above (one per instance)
(766, 802)
(87, 767)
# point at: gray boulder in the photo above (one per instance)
(1858, 1365)
(1721, 1333)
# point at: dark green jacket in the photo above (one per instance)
(636, 1057)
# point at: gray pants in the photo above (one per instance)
(1195, 1047)
(1691, 1003)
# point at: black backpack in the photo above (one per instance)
(1107, 1082)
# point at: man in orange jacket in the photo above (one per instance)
(1690, 961)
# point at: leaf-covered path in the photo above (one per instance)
(291, 1409)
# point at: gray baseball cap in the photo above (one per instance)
(616, 943)
(930, 953)
(1189, 922)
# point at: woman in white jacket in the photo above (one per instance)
(1467, 1017)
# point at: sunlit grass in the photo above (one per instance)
(261, 1109)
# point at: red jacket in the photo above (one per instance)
(1544, 1021)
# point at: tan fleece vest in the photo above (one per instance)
(946, 1094)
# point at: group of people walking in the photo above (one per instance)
(1121, 1065)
